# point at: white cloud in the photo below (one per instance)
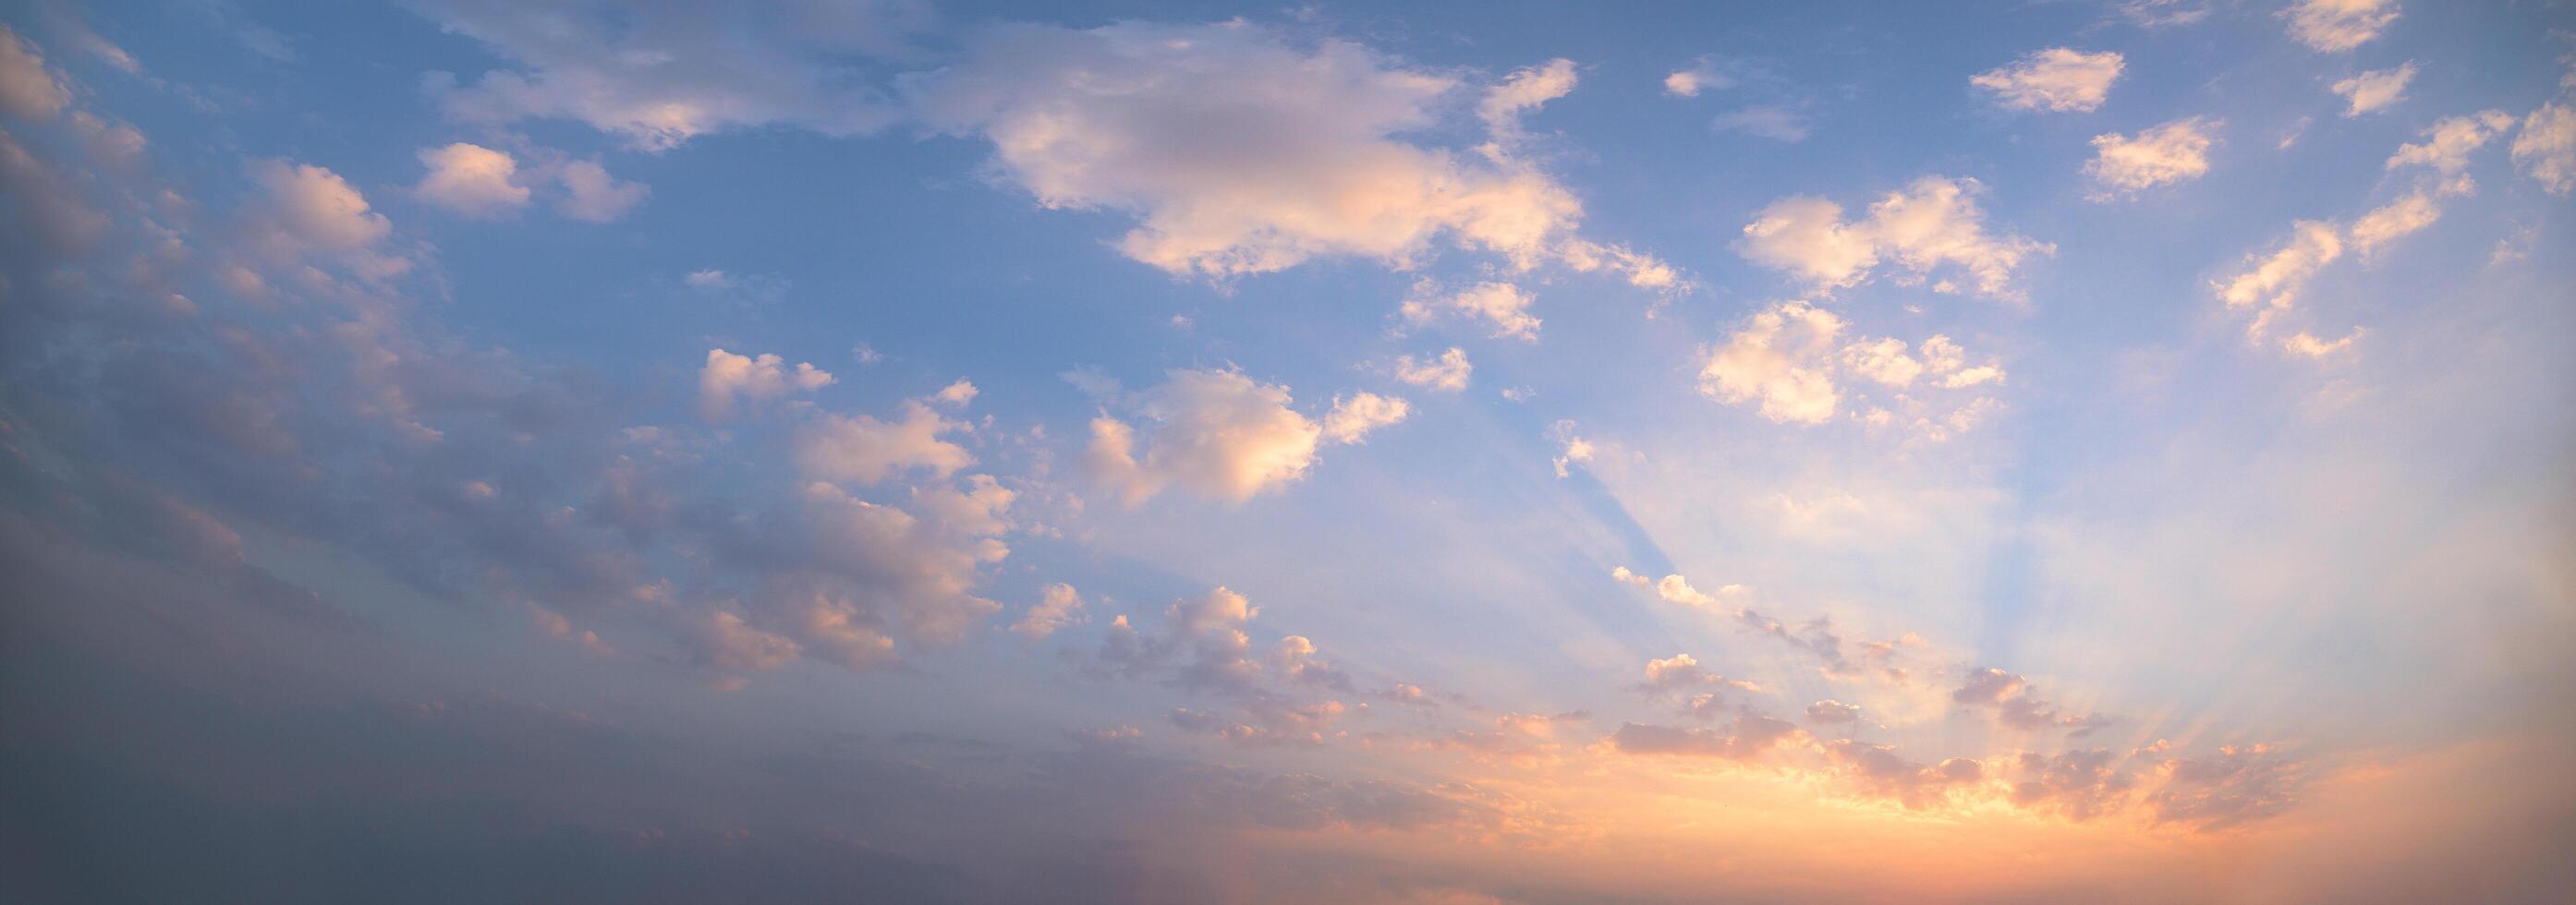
(318, 207)
(2338, 25)
(471, 180)
(727, 377)
(1218, 434)
(28, 88)
(2546, 149)
(1059, 606)
(1576, 448)
(1446, 374)
(2448, 143)
(1883, 360)
(309, 211)
(595, 196)
(2153, 14)
(1690, 82)
(2056, 79)
(864, 450)
(2375, 90)
(1931, 224)
(1353, 417)
(2396, 220)
(958, 394)
(1791, 360)
(659, 74)
(1782, 359)
(1503, 305)
(1765, 121)
(1523, 91)
(2271, 284)
(1242, 153)
(2177, 151)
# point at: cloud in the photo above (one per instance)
(1878, 770)
(2375, 90)
(1765, 121)
(1353, 417)
(1751, 736)
(1503, 305)
(1217, 433)
(2244, 783)
(1059, 606)
(1576, 449)
(2335, 26)
(2153, 14)
(1832, 711)
(471, 180)
(1690, 82)
(2017, 707)
(2056, 79)
(309, 211)
(727, 377)
(2396, 220)
(1241, 153)
(863, 450)
(2448, 143)
(594, 196)
(1524, 90)
(28, 88)
(2546, 149)
(2271, 284)
(2176, 151)
(1445, 374)
(1781, 358)
(662, 73)
(2079, 785)
(1931, 224)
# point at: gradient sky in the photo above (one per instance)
(575, 451)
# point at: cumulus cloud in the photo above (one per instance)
(2448, 143)
(861, 449)
(1832, 711)
(2177, 151)
(590, 194)
(1058, 606)
(1446, 374)
(728, 377)
(2079, 785)
(1217, 433)
(309, 211)
(1930, 225)
(2394, 221)
(1353, 417)
(2271, 283)
(1575, 448)
(2016, 706)
(2335, 26)
(661, 73)
(1690, 82)
(1751, 736)
(2546, 149)
(1790, 359)
(2056, 79)
(1502, 305)
(1878, 770)
(1781, 359)
(471, 180)
(2375, 90)
(28, 88)
(1243, 153)
(2243, 784)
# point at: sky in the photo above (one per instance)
(1442, 452)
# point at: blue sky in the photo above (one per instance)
(1994, 452)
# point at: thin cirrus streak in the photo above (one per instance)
(590, 452)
